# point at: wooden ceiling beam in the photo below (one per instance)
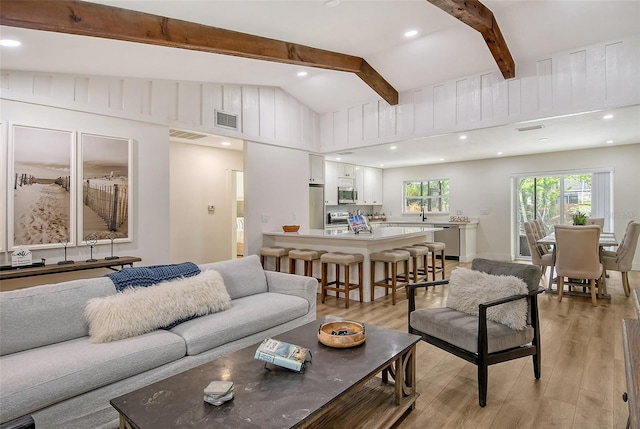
(479, 17)
(96, 20)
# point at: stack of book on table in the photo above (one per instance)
(283, 354)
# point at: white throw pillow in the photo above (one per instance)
(136, 311)
(468, 288)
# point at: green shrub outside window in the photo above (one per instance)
(433, 195)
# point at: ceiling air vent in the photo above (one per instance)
(344, 153)
(185, 135)
(531, 128)
(226, 120)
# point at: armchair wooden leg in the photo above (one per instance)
(625, 283)
(592, 282)
(483, 376)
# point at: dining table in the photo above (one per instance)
(607, 239)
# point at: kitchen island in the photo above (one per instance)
(348, 242)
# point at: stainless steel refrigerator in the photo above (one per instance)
(316, 207)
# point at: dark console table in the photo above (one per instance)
(112, 264)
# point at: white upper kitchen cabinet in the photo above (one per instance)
(346, 170)
(330, 183)
(316, 170)
(372, 186)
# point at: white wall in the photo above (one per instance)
(201, 176)
(276, 191)
(487, 184)
(150, 185)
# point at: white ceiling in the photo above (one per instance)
(443, 49)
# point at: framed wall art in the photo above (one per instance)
(105, 191)
(42, 187)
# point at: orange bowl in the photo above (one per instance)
(342, 334)
(290, 228)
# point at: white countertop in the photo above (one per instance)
(427, 222)
(378, 234)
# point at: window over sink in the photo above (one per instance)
(432, 196)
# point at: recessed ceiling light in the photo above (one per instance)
(463, 137)
(302, 73)
(441, 159)
(332, 3)
(338, 159)
(543, 139)
(609, 141)
(225, 144)
(499, 153)
(381, 165)
(393, 147)
(9, 43)
(607, 116)
(411, 33)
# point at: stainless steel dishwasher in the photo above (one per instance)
(450, 236)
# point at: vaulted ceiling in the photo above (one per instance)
(443, 48)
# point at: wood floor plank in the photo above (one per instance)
(582, 366)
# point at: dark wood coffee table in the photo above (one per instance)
(339, 388)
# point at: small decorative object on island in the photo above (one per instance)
(91, 240)
(111, 237)
(290, 228)
(66, 261)
(283, 354)
(342, 334)
(580, 218)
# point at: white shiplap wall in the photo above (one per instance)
(595, 77)
(265, 114)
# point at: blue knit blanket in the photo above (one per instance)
(147, 276)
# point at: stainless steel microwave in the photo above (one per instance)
(347, 195)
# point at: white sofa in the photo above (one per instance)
(49, 369)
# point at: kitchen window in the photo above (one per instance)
(430, 195)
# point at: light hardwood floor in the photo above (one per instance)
(583, 376)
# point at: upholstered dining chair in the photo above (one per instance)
(541, 233)
(578, 257)
(622, 258)
(596, 221)
(538, 258)
(475, 336)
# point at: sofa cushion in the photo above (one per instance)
(242, 277)
(48, 314)
(468, 288)
(136, 311)
(43, 376)
(249, 315)
(461, 329)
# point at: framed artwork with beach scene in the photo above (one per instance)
(105, 192)
(42, 187)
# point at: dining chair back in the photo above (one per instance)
(596, 221)
(622, 259)
(542, 260)
(541, 232)
(578, 256)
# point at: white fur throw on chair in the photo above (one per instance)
(468, 288)
(136, 311)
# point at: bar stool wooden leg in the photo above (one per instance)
(346, 285)
(324, 281)
(360, 278)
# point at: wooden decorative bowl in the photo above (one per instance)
(342, 334)
(290, 228)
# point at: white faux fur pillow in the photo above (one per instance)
(468, 288)
(136, 311)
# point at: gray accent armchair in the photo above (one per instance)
(476, 339)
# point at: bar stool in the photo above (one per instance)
(306, 255)
(275, 251)
(389, 258)
(436, 246)
(418, 255)
(345, 260)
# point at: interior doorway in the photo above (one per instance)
(237, 184)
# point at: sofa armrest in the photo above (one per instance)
(290, 284)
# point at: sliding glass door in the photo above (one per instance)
(554, 198)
